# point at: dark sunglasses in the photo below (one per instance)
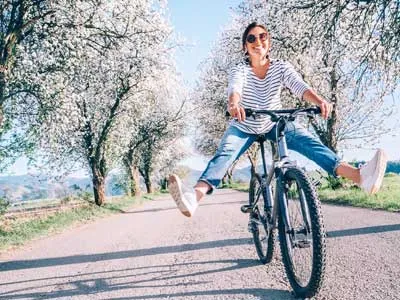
(251, 38)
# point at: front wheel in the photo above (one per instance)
(263, 234)
(303, 238)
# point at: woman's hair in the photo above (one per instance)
(245, 34)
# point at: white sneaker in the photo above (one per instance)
(186, 201)
(372, 172)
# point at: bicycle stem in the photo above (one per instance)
(281, 140)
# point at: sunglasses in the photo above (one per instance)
(251, 38)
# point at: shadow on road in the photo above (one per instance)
(77, 259)
(170, 275)
(362, 230)
(262, 294)
(136, 211)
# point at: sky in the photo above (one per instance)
(199, 22)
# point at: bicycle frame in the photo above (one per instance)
(280, 163)
(293, 188)
(280, 160)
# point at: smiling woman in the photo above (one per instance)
(256, 84)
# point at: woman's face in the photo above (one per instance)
(257, 43)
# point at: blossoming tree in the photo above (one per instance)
(104, 56)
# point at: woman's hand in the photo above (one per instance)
(326, 107)
(236, 111)
(234, 108)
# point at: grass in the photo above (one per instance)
(239, 186)
(388, 198)
(19, 230)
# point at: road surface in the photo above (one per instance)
(153, 252)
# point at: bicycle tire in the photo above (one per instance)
(289, 245)
(264, 243)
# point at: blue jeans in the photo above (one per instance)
(235, 142)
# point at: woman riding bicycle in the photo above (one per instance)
(256, 84)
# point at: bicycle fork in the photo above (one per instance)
(299, 237)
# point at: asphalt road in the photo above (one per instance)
(153, 252)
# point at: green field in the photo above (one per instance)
(388, 198)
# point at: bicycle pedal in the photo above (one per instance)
(303, 244)
(246, 209)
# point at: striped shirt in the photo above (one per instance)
(263, 93)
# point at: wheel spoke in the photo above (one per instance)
(299, 239)
(301, 256)
(263, 237)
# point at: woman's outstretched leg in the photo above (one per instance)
(368, 177)
(233, 144)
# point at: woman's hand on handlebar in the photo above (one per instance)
(326, 108)
(234, 108)
(236, 111)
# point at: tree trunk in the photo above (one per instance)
(223, 180)
(147, 182)
(228, 177)
(2, 92)
(252, 167)
(252, 155)
(331, 124)
(164, 184)
(147, 157)
(328, 134)
(99, 187)
(134, 181)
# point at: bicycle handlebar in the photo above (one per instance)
(277, 114)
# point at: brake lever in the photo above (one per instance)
(311, 115)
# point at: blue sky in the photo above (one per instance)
(200, 22)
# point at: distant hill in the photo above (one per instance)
(31, 187)
(242, 174)
(393, 166)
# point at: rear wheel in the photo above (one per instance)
(303, 245)
(263, 235)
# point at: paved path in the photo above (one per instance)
(153, 252)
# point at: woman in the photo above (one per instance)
(257, 84)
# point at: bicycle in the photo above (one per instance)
(293, 208)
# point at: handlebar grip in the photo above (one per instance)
(317, 110)
(249, 112)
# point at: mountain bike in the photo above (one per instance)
(285, 199)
